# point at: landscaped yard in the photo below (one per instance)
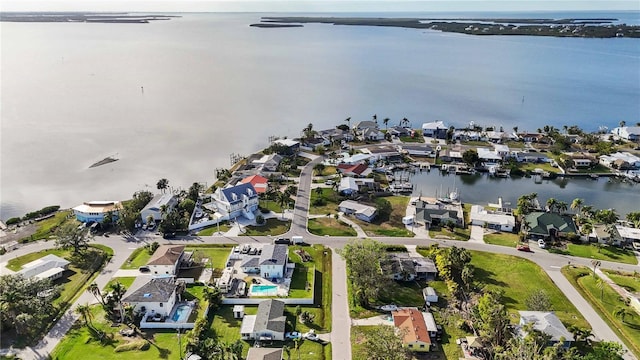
(391, 227)
(209, 231)
(438, 232)
(399, 293)
(605, 301)
(16, 264)
(629, 281)
(126, 281)
(138, 257)
(609, 253)
(273, 226)
(533, 166)
(217, 254)
(330, 226)
(502, 238)
(325, 203)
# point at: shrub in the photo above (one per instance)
(141, 345)
(260, 220)
(3, 250)
(13, 221)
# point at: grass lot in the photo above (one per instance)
(325, 203)
(399, 293)
(45, 228)
(502, 238)
(519, 278)
(605, 301)
(328, 171)
(138, 257)
(330, 226)
(273, 226)
(214, 229)
(416, 139)
(217, 254)
(391, 227)
(16, 264)
(438, 232)
(629, 281)
(609, 253)
(270, 205)
(79, 343)
(533, 166)
(126, 281)
(598, 169)
(359, 335)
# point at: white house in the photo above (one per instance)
(155, 206)
(349, 185)
(489, 155)
(627, 157)
(417, 149)
(47, 267)
(273, 261)
(631, 133)
(547, 323)
(628, 234)
(166, 259)
(267, 324)
(480, 216)
(94, 211)
(363, 212)
(151, 295)
(436, 129)
(234, 201)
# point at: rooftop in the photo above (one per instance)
(274, 254)
(97, 206)
(166, 255)
(150, 289)
(547, 323)
(411, 321)
(270, 316)
(158, 201)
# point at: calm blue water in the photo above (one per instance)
(71, 93)
(263, 290)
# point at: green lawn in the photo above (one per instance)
(605, 301)
(80, 344)
(217, 254)
(330, 226)
(400, 293)
(324, 203)
(519, 278)
(302, 281)
(416, 139)
(126, 281)
(273, 226)
(533, 166)
(609, 253)
(459, 234)
(46, 227)
(449, 321)
(271, 205)
(502, 238)
(393, 226)
(209, 231)
(16, 264)
(629, 281)
(138, 257)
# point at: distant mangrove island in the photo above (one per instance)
(81, 17)
(578, 27)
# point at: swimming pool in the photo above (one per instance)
(181, 314)
(263, 290)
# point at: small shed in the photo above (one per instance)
(238, 311)
(430, 295)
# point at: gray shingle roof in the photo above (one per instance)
(274, 254)
(250, 262)
(270, 316)
(547, 323)
(264, 354)
(153, 290)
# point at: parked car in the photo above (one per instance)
(329, 182)
(542, 244)
(151, 226)
(390, 307)
(253, 251)
(523, 247)
(144, 269)
(310, 335)
(169, 235)
(293, 335)
(281, 241)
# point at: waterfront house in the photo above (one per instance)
(264, 353)
(293, 145)
(631, 133)
(531, 137)
(150, 295)
(94, 211)
(382, 152)
(399, 131)
(357, 170)
(166, 259)
(411, 324)
(435, 129)
(548, 225)
(492, 220)
(417, 149)
(434, 214)
(234, 201)
(628, 235)
(618, 159)
(548, 324)
(154, 208)
(336, 135)
(489, 156)
(370, 134)
(259, 183)
(363, 212)
(270, 162)
(600, 234)
(350, 185)
(268, 323)
(47, 267)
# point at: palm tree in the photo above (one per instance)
(515, 129)
(117, 292)
(308, 131)
(587, 211)
(95, 290)
(348, 120)
(283, 198)
(562, 206)
(622, 312)
(577, 204)
(551, 204)
(85, 312)
(385, 121)
(162, 184)
(595, 264)
(287, 350)
(600, 285)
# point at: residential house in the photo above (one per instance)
(631, 133)
(383, 152)
(264, 353)
(156, 205)
(357, 170)
(271, 263)
(150, 295)
(600, 234)
(404, 267)
(363, 212)
(259, 183)
(489, 156)
(360, 126)
(501, 150)
(290, 143)
(435, 129)
(350, 185)
(619, 159)
(547, 323)
(492, 220)
(469, 135)
(399, 131)
(411, 324)
(370, 134)
(267, 324)
(94, 211)
(434, 214)
(628, 235)
(47, 267)
(417, 149)
(270, 162)
(545, 225)
(355, 159)
(531, 137)
(234, 201)
(336, 135)
(166, 259)
(500, 136)
(581, 160)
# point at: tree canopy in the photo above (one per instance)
(364, 269)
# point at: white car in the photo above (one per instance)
(391, 307)
(542, 244)
(310, 335)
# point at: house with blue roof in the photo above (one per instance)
(238, 200)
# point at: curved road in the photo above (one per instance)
(340, 335)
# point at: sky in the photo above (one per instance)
(314, 5)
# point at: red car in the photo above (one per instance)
(523, 247)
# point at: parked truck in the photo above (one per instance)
(297, 240)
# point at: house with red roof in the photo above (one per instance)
(411, 324)
(356, 170)
(259, 183)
